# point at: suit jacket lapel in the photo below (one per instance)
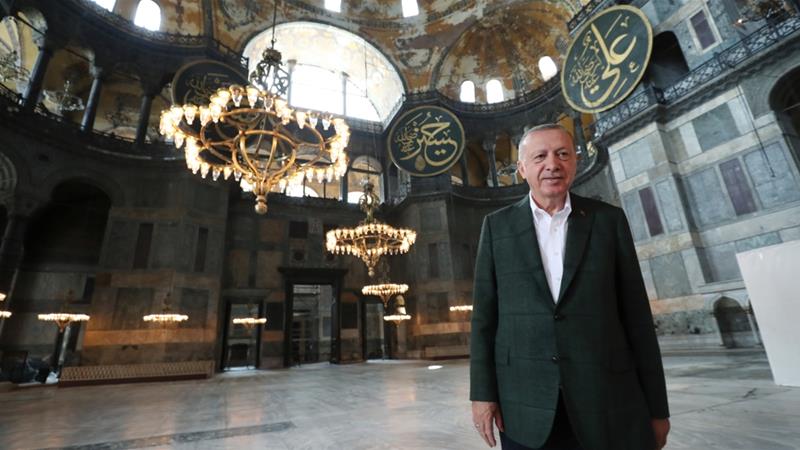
(578, 231)
(532, 257)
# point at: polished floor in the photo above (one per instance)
(719, 400)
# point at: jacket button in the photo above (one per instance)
(558, 317)
(555, 358)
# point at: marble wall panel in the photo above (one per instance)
(708, 202)
(774, 181)
(637, 157)
(635, 213)
(120, 244)
(719, 262)
(131, 305)
(669, 275)
(715, 127)
(670, 205)
(194, 303)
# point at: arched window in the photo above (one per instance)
(547, 67)
(148, 15)
(333, 5)
(410, 8)
(494, 91)
(106, 4)
(301, 190)
(316, 88)
(371, 88)
(467, 93)
(364, 169)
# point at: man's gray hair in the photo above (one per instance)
(542, 127)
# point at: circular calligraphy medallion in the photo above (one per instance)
(195, 82)
(426, 141)
(606, 59)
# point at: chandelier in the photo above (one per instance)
(10, 70)
(4, 314)
(63, 319)
(385, 291)
(249, 322)
(370, 239)
(165, 316)
(63, 101)
(461, 308)
(251, 133)
(400, 314)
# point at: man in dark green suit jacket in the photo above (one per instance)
(563, 348)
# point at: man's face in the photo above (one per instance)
(548, 163)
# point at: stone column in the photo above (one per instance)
(87, 124)
(12, 248)
(489, 144)
(144, 113)
(34, 90)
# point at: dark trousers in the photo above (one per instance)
(561, 435)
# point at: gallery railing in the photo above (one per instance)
(723, 62)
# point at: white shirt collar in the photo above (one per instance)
(539, 213)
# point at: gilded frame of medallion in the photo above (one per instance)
(188, 65)
(446, 169)
(637, 12)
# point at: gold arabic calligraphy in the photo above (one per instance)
(426, 138)
(200, 87)
(600, 70)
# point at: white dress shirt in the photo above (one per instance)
(551, 232)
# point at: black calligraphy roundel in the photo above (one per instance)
(195, 82)
(606, 59)
(426, 141)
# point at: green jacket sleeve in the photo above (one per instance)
(483, 379)
(637, 319)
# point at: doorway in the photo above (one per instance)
(312, 309)
(241, 348)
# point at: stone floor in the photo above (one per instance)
(719, 400)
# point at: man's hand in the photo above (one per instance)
(660, 429)
(484, 416)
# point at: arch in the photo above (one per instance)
(733, 323)
(99, 180)
(667, 63)
(70, 229)
(364, 169)
(148, 15)
(339, 51)
(8, 176)
(784, 100)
